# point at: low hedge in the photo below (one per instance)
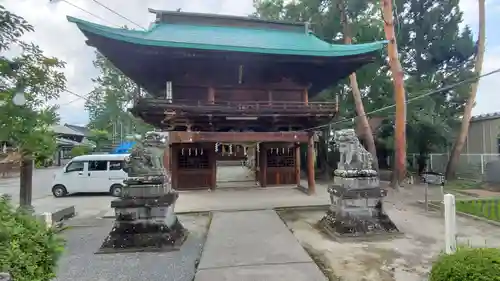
(28, 250)
(468, 264)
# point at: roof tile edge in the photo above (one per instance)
(224, 16)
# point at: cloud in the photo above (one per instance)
(59, 38)
(487, 85)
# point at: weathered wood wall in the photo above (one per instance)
(193, 166)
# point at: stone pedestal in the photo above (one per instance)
(145, 215)
(145, 218)
(356, 197)
(356, 206)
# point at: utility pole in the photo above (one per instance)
(399, 172)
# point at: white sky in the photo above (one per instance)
(61, 39)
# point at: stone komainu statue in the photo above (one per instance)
(356, 196)
(145, 215)
(353, 155)
(146, 158)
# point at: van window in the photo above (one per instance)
(98, 165)
(115, 165)
(75, 167)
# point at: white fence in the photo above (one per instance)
(470, 166)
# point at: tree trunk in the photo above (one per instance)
(451, 168)
(25, 182)
(399, 95)
(356, 93)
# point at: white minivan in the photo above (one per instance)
(91, 173)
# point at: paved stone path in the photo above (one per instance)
(254, 246)
(42, 180)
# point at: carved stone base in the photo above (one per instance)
(144, 236)
(352, 227)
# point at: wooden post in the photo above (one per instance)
(263, 165)
(256, 164)
(306, 97)
(174, 165)
(211, 95)
(297, 164)
(167, 159)
(310, 165)
(213, 165)
(399, 93)
(270, 97)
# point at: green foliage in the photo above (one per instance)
(107, 103)
(80, 150)
(28, 250)
(40, 78)
(468, 264)
(434, 52)
(485, 208)
(101, 138)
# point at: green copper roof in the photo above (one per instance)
(227, 38)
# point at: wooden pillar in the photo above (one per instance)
(306, 97)
(270, 97)
(263, 165)
(173, 164)
(297, 164)
(310, 165)
(211, 95)
(213, 164)
(256, 164)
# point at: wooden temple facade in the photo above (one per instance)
(232, 83)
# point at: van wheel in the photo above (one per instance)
(59, 190)
(116, 190)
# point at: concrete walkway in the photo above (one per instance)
(254, 246)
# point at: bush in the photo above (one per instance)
(28, 250)
(480, 264)
(79, 150)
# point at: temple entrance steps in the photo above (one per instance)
(235, 176)
(226, 163)
(254, 245)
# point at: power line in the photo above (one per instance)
(85, 11)
(69, 102)
(75, 94)
(465, 81)
(118, 14)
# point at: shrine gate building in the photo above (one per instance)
(241, 83)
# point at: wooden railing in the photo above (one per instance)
(261, 107)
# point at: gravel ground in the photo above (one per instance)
(79, 262)
(408, 258)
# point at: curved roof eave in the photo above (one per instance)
(140, 37)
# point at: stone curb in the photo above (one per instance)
(281, 208)
(437, 207)
(55, 218)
